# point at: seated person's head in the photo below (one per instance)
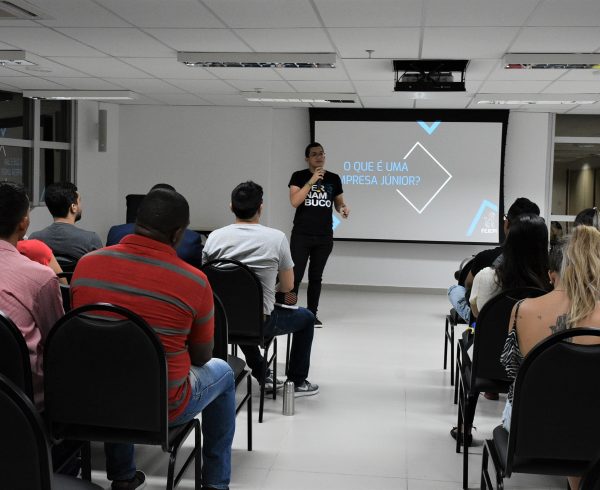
(525, 254)
(14, 211)
(522, 205)
(62, 199)
(588, 217)
(246, 200)
(555, 260)
(163, 215)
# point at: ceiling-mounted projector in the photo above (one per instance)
(430, 75)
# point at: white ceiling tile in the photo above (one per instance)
(387, 102)
(375, 69)
(311, 40)
(141, 100)
(161, 13)
(32, 83)
(557, 109)
(467, 42)
(9, 46)
(448, 102)
(6, 71)
(581, 75)
(374, 13)
(205, 86)
(509, 86)
(478, 12)
(79, 83)
(47, 68)
(263, 85)
(323, 86)
(180, 99)
(374, 88)
(567, 13)
(5, 84)
(18, 23)
(265, 13)
(168, 68)
(101, 67)
(557, 40)
(219, 40)
(337, 73)
(245, 73)
(81, 13)
(472, 86)
(45, 42)
(145, 85)
(480, 69)
(387, 42)
(586, 109)
(120, 41)
(500, 73)
(574, 87)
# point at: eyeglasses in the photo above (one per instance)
(320, 154)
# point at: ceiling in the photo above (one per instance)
(133, 44)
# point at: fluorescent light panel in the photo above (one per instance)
(549, 61)
(14, 58)
(257, 60)
(80, 94)
(536, 99)
(301, 97)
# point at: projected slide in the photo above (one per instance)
(421, 180)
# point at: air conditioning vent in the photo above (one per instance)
(19, 9)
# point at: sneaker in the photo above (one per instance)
(318, 323)
(269, 384)
(138, 481)
(306, 389)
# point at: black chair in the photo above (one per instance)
(25, 460)
(241, 293)
(65, 289)
(453, 318)
(237, 365)
(484, 373)
(66, 262)
(14, 356)
(105, 376)
(591, 481)
(554, 428)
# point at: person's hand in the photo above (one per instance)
(345, 211)
(319, 173)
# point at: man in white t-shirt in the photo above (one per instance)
(267, 252)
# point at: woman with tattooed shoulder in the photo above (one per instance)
(573, 303)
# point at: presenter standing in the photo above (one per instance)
(314, 192)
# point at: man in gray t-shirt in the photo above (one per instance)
(267, 252)
(62, 236)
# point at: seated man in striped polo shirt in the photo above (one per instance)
(144, 274)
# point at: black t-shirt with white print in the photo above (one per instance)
(313, 216)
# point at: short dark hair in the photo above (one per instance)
(162, 186)
(588, 217)
(59, 197)
(163, 211)
(246, 199)
(522, 205)
(14, 205)
(555, 257)
(314, 144)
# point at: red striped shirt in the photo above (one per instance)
(174, 298)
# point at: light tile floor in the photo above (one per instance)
(381, 420)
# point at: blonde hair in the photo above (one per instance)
(580, 275)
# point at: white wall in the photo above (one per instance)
(205, 151)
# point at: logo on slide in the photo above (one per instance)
(429, 128)
(432, 177)
(490, 223)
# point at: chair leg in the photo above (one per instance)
(198, 458)
(249, 410)
(485, 477)
(287, 353)
(261, 405)
(468, 416)
(446, 342)
(275, 368)
(452, 325)
(457, 374)
(86, 461)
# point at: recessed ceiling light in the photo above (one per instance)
(80, 94)
(536, 99)
(14, 58)
(550, 61)
(257, 60)
(303, 97)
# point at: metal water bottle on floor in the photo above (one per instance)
(288, 398)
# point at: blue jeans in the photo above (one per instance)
(213, 394)
(507, 415)
(456, 295)
(300, 322)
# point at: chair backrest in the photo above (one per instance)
(14, 356)
(221, 334)
(105, 377)
(133, 202)
(241, 293)
(65, 289)
(24, 454)
(591, 481)
(66, 262)
(556, 402)
(463, 270)
(491, 332)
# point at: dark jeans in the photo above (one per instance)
(315, 249)
(301, 323)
